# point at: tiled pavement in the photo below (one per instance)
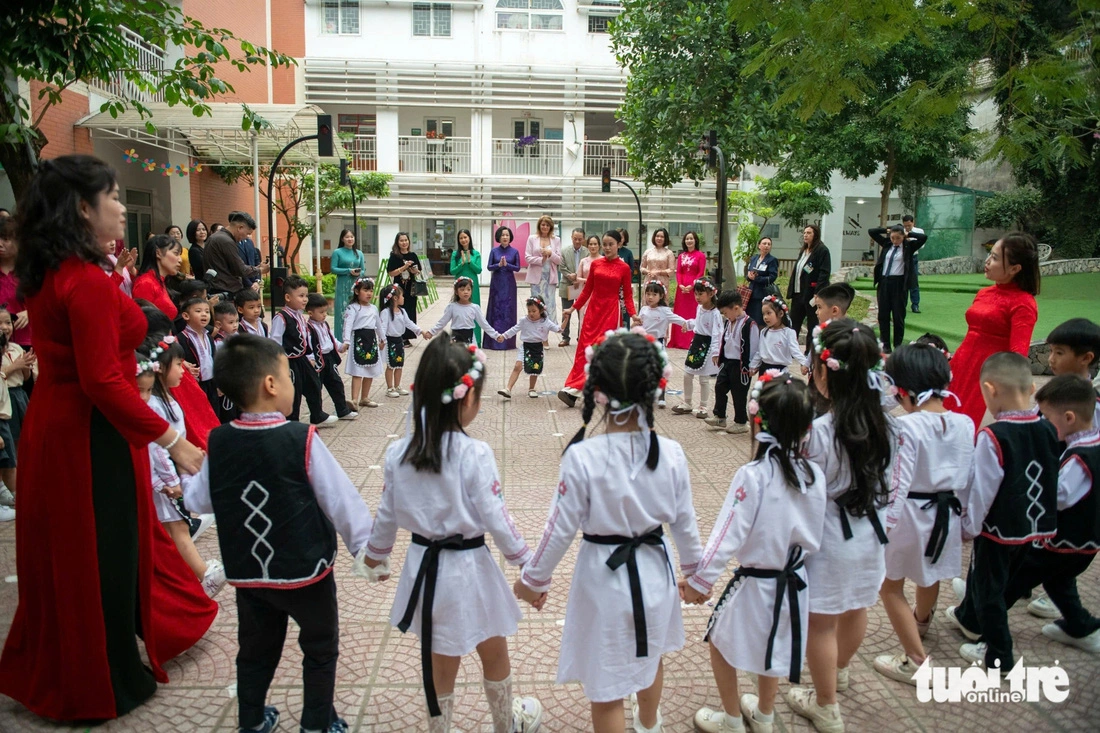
(378, 684)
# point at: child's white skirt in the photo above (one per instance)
(909, 538)
(846, 575)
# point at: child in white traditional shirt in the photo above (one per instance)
(395, 321)
(328, 348)
(619, 489)
(160, 369)
(364, 338)
(778, 341)
(533, 331)
(702, 356)
(443, 486)
(656, 316)
(463, 315)
(17, 365)
(250, 308)
(772, 519)
(930, 483)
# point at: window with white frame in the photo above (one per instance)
(341, 17)
(535, 15)
(432, 19)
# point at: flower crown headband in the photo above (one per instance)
(877, 379)
(705, 283)
(152, 364)
(463, 279)
(536, 300)
(658, 283)
(945, 352)
(778, 303)
(390, 292)
(365, 282)
(758, 416)
(666, 366)
(469, 379)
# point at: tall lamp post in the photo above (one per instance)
(605, 187)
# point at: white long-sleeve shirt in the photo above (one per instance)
(464, 498)
(337, 497)
(394, 325)
(935, 453)
(779, 346)
(464, 316)
(1074, 480)
(656, 321)
(359, 316)
(202, 346)
(732, 336)
(532, 332)
(163, 468)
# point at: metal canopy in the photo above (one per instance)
(217, 138)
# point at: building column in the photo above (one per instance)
(481, 142)
(573, 144)
(387, 231)
(832, 230)
(482, 231)
(179, 191)
(386, 132)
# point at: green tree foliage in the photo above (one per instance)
(63, 42)
(793, 201)
(1016, 209)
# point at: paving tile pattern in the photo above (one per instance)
(378, 682)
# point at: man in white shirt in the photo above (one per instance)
(908, 223)
(893, 275)
(567, 276)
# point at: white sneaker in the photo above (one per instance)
(737, 428)
(504, 393)
(661, 404)
(842, 679)
(214, 579)
(826, 719)
(391, 392)
(1041, 607)
(6, 497)
(974, 652)
(532, 394)
(1090, 643)
(897, 667)
(700, 413)
(7, 514)
(328, 421)
(958, 585)
(638, 727)
(402, 392)
(716, 721)
(749, 708)
(206, 521)
(526, 714)
(949, 614)
(350, 416)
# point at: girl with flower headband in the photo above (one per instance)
(931, 482)
(463, 314)
(443, 486)
(772, 520)
(657, 317)
(159, 371)
(702, 357)
(364, 337)
(619, 489)
(533, 332)
(854, 444)
(395, 323)
(778, 341)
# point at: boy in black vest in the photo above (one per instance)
(1012, 503)
(328, 349)
(740, 339)
(278, 507)
(290, 329)
(1069, 403)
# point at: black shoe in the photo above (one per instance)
(271, 721)
(408, 343)
(567, 398)
(337, 726)
(916, 309)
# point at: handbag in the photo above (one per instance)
(419, 287)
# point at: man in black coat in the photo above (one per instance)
(894, 276)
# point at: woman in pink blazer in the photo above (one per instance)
(543, 257)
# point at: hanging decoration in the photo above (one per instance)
(150, 165)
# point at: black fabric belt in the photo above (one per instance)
(787, 581)
(426, 577)
(625, 553)
(462, 335)
(843, 501)
(945, 503)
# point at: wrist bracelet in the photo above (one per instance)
(174, 441)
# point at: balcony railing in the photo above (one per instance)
(430, 155)
(150, 64)
(541, 158)
(600, 154)
(363, 151)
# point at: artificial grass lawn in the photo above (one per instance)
(945, 298)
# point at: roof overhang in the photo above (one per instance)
(218, 138)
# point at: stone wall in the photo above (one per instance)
(1069, 267)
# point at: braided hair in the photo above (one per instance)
(785, 404)
(627, 369)
(859, 422)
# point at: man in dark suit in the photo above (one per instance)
(894, 275)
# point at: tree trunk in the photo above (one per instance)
(887, 186)
(16, 158)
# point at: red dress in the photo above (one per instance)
(198, 416)
(689, 267)
(68, 641)
(601, 293)
(1001, 318)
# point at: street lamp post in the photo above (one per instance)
(606, 181)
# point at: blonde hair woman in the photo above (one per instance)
(543, 257)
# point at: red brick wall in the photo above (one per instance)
(288, 35)
(212, 200)
(57, 125)
(247, 19)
